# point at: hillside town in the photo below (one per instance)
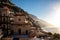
(16, 24)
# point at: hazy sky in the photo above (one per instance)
(48, 10)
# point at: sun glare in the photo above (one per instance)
(54, 17)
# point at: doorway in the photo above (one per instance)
(26, 32)
(19, 31)
(15, 38)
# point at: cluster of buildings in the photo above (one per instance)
(15, 24)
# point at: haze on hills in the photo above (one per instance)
(47, 10)
(45, 25)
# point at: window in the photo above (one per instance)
(0, 20)
(3, 19)
(26, 32)
(19, 19)
(5, 26)
(19, 31)
(0, 13)
(0, 24)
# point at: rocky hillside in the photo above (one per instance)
(37, 22)
(40, 22)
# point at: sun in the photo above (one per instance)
(54, 16)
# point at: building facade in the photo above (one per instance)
(14, 22)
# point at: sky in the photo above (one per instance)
(47, 10)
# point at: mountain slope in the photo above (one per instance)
(45, 26)
(40, 22)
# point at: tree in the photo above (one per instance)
(49, 34)
(56, 35)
